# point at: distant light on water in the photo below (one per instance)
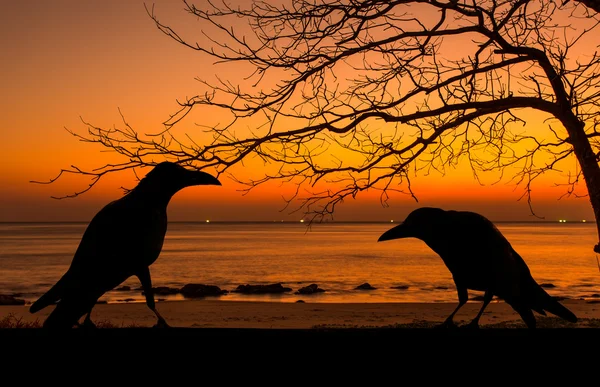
(207, 221)
(562, 221)
(301, 220)
(583, 221)
(392, 221)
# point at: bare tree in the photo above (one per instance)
(345, 96)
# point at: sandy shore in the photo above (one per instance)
(270, 315)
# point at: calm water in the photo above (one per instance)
(338, 257)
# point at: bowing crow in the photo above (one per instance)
(479, 258)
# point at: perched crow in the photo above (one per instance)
(479, 258)
(121, 241)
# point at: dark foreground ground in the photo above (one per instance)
(406, 338)
(338, 351)
(319, 356)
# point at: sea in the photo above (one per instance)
(338, 257)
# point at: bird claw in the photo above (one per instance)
(87, 324)
(161, 323)
(471, 325)
(446, 325)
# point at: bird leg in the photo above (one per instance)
(161, 323)
(487, 297)
(88, 323)
(144, 277)
(462, 299)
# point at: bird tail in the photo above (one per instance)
(526, 314)
(50, 297)
(67, 313)
(547, 302)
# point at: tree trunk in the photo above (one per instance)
(584, 153)
(587, 161)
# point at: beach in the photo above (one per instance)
(207, 313)
(214, 336)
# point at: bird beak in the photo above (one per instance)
(203, 178)
(400, 231)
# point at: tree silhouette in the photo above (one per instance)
(345, 96)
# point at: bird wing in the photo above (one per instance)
(476, 252)
(507, 267)
(120, 237)
(104, 235)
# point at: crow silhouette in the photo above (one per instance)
(122, 240)
(479, 258)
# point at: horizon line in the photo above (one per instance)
(580, 221)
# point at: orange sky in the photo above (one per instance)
(67, 58)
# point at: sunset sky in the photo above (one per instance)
(64, 59)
